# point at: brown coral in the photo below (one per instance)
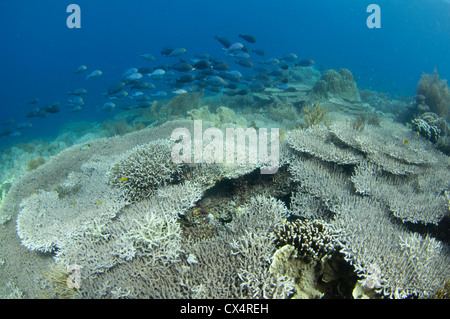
(35, 163)
(178, 106)
(337, 84)
(314, 115)
(436, 93)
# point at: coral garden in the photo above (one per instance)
(358, 206)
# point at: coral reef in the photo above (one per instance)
(317, 142)
(417, 178)
(35, 163)
(306, 76)
(223, 116)
(424, 128)
(233, 264)
(351, 204)
(434, 93)
(337, 84)
(47, 217)
(419, 104)
(60, 284)
(142, 169)
(434, 128)
(178, 106)
(314, 115)
(312, 239)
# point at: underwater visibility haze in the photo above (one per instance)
(344, 109)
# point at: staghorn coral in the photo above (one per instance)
(96, 203)
(234, 264)
(409, 264)
(325, 181)
(399, 182)
(253, 252)
(305, 206)
(444, 291)
(239, 262)
(148, 228)
(317, 141)
(411, 178)
(156, 230)
(414, 199)
(222, 117)
(436, 93)
(46, 218)
(392, 146)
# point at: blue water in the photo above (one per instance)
(39, 52)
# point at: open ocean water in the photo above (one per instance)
(39, 52)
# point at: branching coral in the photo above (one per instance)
(144, 168)
(317, 141)
(156, 230)
(401, 177)
(390, 259)
(436, 93)
(47, 219)
(314, 114)
(4, 188)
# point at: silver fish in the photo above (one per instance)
(177, 52)
(80, 69)
(147, 56)
(95, 74)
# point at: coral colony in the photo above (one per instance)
(308, 190)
